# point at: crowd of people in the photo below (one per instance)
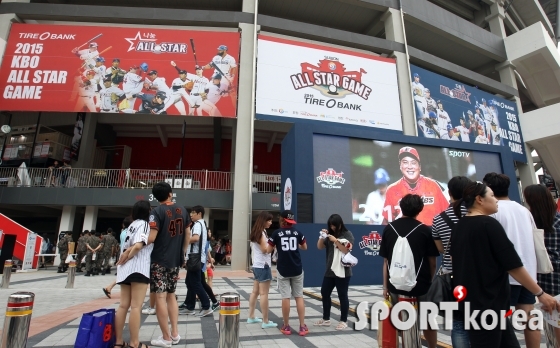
(485, 238)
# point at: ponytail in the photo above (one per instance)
(457, 207)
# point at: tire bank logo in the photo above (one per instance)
(330, 178)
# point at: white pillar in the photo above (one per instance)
(394, 32)
(244, 144)
(66, 224)
(207, 216)
(90, 218)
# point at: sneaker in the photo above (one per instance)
(215, 306)
(183, 306)
(205, 312)
(149, 311)
(175, 340)
(303, 330)
(160, 342)
(254, 320)
(286, 330)
(187, 312)
(269, 325)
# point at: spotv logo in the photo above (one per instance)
(473, 320)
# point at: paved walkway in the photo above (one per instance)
(57, 313)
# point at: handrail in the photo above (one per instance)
(131, 178)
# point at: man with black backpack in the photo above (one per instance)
(410, 257)
(441, 232)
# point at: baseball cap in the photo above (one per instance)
(439, 102)
(408, 151)
(135, 67)
(449, 127)
(107, 79)
(416, 75)
(182, 71)
(483, 100)
(152, 72)
(197, 67)
(426, 89)
(116, 60)
(93, 44)
(288, 216)
(493, 123)
(381, 176)
(432, 114)
(469, 112)
(161, 94)
(90, 72)
(223, 47)
(100, 59)
(217, 76)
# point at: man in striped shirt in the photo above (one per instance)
(441, 233)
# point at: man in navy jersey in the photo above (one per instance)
(168, 232)
(288, 241)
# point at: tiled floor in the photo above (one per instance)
(57, 314)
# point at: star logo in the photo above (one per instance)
(139, 38)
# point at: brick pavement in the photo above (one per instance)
(57, 313)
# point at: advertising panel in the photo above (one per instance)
(447, 109)
(307, 81)
(364, 180)
(120, 70)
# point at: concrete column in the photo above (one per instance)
(6, 21)
(496, 19)
(242, 202)
(88, 143)
(526, 171)
(394, 32)
(233, 147)
(90, 218)
(66, 224)
(207, 216)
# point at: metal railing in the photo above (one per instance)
(131, 178)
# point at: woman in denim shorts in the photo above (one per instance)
(261, 270)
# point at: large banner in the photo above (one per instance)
(307, 81)
(120, 70)
(364, 180)
(447, 109)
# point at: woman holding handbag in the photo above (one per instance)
(542, 207)
(133, 275)
(336, 236)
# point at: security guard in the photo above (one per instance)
(93, 245)
(109, 243)
(81, 250)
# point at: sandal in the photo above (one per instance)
(322, 322)
(107, 293)
(341, 326)
(123, 345)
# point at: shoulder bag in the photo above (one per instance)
(544, 266)
(194, 263)
(441, 289)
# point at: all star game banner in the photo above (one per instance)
(313, 82)
(120, 70)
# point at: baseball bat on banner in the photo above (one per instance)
(90, 40)
(194, 51)
(221, 72)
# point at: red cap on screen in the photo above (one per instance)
(408, 151)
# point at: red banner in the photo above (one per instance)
(120, 70)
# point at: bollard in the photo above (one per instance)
(7, 274)
(411, 337)
(229, 320)
(71, 275)
(18, 318)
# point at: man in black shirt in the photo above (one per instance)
(288, 241)
(168, 224)
(423, 249)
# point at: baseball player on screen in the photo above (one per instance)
(495, 137)
(224, 64)
(428, 126)
(373, 209)
(481, 138)
(443, 118)
(418, 94)
(190, 87)
(115, 72)
(88, 55)
(110, 96)
(415, 183)
(213, 92)
(449, 134)
(464, 130)
(132, 84)
(431, 105)
(86, 91)
(152, 104)
(155, 83)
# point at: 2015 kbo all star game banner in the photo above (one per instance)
(307, 81)
(120, 70)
